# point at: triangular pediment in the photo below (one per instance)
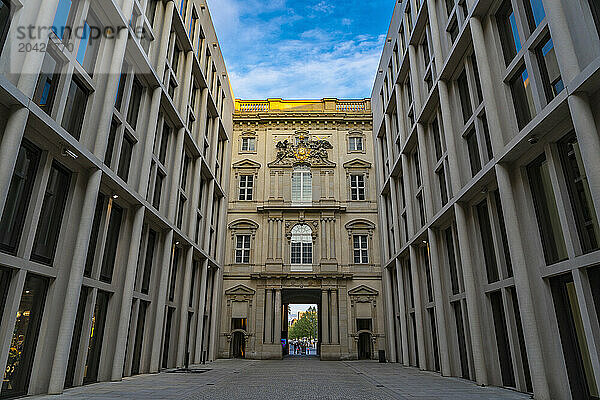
(248, 164)
(240, 290)
(363, 290)
(357, 163)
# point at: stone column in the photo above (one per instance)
(440, 303)
(9, 150)
(324, 317)
(414, 270)
(471, 292)
(69, 311)
(278, 317)
(523, 288)
(269, 317)
(164, 43)
(334, 318)
(127, 297)
(402, 308)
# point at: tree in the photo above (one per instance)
(306, 326)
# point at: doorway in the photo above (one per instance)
(238, 345)
(364, 346)
(301, 327)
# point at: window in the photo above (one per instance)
(421, 204)
(437, 140)
(148, 261)
(246, 187)
(151, 11)
(449, 236)
(579, 193)
(181, 210)
(134, 103)
(175, 60)
(25, 337)
(4, 21)
(89, 262)
(92, 364)
(302, 186)
(242, 249)
(75, 108)
(173, 278)
(595, 7)
(509, 35)
(441, 174)
(89, 46)
(121, 89)
(47, 83)
(49, 224)
(473, 147)
(125, 158)
(361, 249)
(502, 340)
(249, 144)
(534, 10)
(164, 142)
(157, 190)
(110, 147)
(185, 170)
(465, 97)
(19, 195)
(487, 241)
(62, 19)
(301, 245)
(553, 83)
(355, 144)
(112, 243)
(357, 187)
(544, 202)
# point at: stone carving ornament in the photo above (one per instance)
(304, 151)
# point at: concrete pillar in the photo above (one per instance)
(414, 270)
(395, 212)
(208, 217)
(334, 318)
(425, 171)
(164, 44)
(184, 306)
(9, 150)
(149, 142)
(201, 307)
(160, 301)
(453, 155)
(278, 317)
(564, 48)
(127, 296)
(440, 303)
(67, 319)
(325, 317)
(269, 317)
(202, 118)
(472, 297)
(175, 172)
(524, 291)
(402, 309)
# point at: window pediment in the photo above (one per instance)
(246, 164)
(363, 290)
(357, 164)
(240, 290)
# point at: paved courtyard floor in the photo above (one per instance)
(293, 378)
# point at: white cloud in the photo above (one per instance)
(346, 21)
(323, 7)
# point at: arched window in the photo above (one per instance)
(302, 245)
(302, 185)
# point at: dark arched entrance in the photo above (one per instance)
(364, 346)
(238, 345)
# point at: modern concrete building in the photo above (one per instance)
(302, 229)
(112, 191)
(486, 128)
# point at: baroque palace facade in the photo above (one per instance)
(112, 191)
(301, 226)
(486, 129)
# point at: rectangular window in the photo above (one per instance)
(579, 193)
(96, 338)
(110, 146)
(520, 87)
(185, 170)
(49, 224)
(421, 205)
(503, 234)
(487, 241)
(246, 187)
(355, 143)
(437, 139)
(242, 249)
(534, 10)
(89, 262)
(546, 211)
(465, 97)
(176, 57)
(19, 195)
(181, 210)
(112, 243)
(427, 264)
(249, 144)
(173, 278)
(417, 168)
(302, 186)
(157, 190)
(148, 261)
(462, 342)
(121, 89)
(25, 337)
(595, 7)
(473, 147)
(125, 158)
(75, 108)
(5, 278)
(553, 83)
(441, 174)
(164, 142)
(47, 83)
(76, 340)
(134, 103)
(357, 187)
(502, 340)
(361, 249)
(62, 19)
(477, 79)
(139, 338)
(434, 339)
(509, 34)
(89, 46)
(452, 261)
(487, 138)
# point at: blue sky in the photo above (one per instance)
(303, 49)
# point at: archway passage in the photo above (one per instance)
(302, 330)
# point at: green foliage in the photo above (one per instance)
(305, 327)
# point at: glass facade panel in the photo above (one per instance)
(75, 108)
(51, 216)
(125, 158)
(509, 34)
(502, 340)
(112, 242)
(94, 353)
(522, 95)
(551, 78)
(148, 262)
(89, 263)
(47, 83)
(487, 242)
(76, 340)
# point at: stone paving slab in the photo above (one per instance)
(297, 378)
